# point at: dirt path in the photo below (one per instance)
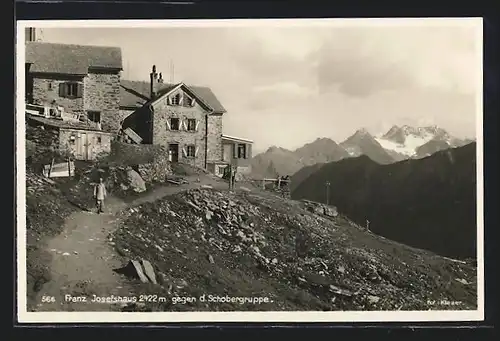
(83, 258)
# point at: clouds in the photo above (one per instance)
(360, 61)
(285, 84)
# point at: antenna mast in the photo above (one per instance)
(172, 70)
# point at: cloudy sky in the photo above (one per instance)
(287, 84)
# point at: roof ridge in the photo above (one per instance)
(130, 86)
(166, 83)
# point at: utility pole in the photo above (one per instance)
(172, 70)
(327, 193)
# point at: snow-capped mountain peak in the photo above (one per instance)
(406, 140)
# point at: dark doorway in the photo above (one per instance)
(173, 152)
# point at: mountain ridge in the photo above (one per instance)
(397, 144)
(433, 198)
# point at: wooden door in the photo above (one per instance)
(82, 146)
(90, 143)
(79, 149)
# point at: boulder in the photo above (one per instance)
(318, 209)
(133, 269)
(136, 183)
(331, 211)
(149, 271)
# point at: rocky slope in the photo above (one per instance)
(428, 203)
(232, 246)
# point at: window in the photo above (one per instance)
(191, 151)
(94, 116)
(49, 85)
(71, 90)
(99, 140)
(72, 139)
(191, 124)
(221, 170)
(174, 123)
(242, 151)
(175, 100)
(187, 102)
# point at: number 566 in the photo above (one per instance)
(48, 299)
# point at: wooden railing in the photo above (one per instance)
(49, 111)
(57, 170)
(278, 182)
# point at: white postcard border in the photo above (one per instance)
(205, 317)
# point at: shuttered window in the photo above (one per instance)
(176, 99)
(174, 124)
(242, 151)
(188, 101)
(71, 90)
(191, 124)
(191, 151)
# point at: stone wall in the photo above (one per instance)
(157, 170)
(215, 137)
(102, 93)
(162, 135)
(46, 90)
(37, 133)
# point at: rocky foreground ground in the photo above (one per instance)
(279, 256)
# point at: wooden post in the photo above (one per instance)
(279, 182)
(69, 167)
(263, 183)
(51, 165)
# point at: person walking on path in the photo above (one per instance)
(232, 177)
(100, 194)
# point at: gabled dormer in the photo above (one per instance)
(180, 96)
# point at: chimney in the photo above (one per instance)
(29, 33)
(154, 79)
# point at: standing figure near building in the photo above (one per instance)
(229, 175)
(100, 194)
(232, 177)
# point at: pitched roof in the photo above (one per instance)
(236, 139)
(64, 124)
(136, 94)
(71, 59)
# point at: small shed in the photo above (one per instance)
(83, 141)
